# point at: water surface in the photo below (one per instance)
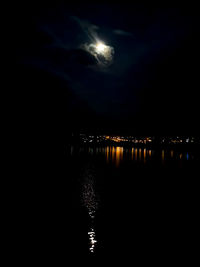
(134, 201)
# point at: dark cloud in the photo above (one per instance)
(122, 33)
(83, 57)
(88, 28)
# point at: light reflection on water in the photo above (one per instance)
(145, 155)
(92, 239)
(90, 201)
(136, 153)
(119, 156)
(116, 155)
(163, 155)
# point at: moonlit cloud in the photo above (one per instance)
(88, 28)
(102, 52)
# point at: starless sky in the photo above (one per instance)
(151, 86)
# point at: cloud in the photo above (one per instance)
(104, 59)
(122, 33)
(88, 28)
(83, 57)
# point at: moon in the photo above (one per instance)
(102, 52)
(100, 48)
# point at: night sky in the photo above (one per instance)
(150, 87)
(59, 86)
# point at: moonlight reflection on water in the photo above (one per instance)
(90, 202)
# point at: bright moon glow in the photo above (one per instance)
(102, 52)
(100, 48)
